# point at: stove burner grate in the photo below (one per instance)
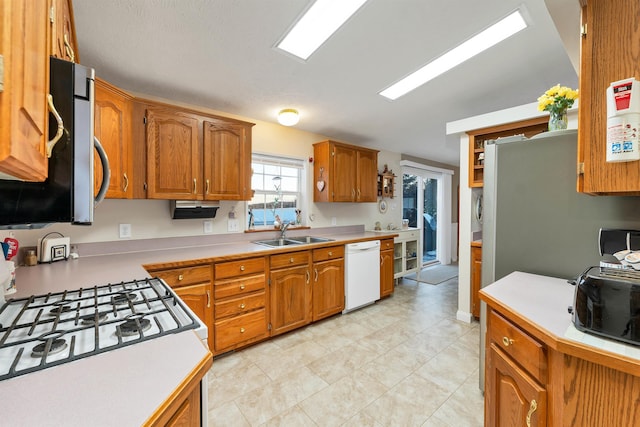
(90, 319)
(133, 326)
(123, 298)
(53, 341)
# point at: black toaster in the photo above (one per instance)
(607, 303)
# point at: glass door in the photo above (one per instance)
(420, 207)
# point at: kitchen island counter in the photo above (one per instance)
(566, 377)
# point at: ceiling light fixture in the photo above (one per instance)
(288, 117)
(317, 24)
(470, 48)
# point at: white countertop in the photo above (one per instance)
(544, 301)
(122, 387)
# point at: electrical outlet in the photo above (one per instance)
(125, 231)
(233, 225)
(333, 220)
(207, 226)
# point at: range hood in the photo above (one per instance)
(193, 209)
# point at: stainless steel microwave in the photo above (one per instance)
(67, 195)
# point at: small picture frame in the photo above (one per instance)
(382, 206)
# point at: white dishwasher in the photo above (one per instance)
(361, 274)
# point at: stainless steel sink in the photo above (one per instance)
(292, 241)
(310, 239)
(276, 243)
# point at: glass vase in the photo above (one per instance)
(558, 120)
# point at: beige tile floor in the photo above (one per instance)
(405, 361)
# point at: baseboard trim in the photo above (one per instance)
(463, 316)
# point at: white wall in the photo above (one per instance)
(151, 218)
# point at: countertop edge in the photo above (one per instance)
(535, 326)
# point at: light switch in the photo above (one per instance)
(208, 226)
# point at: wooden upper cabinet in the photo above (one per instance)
(194, 156)
(227, 160)
(63, 37)
(478, 137)
(113, 129)
(344, 173)
(24, 114)
(173, 155)
(610, 51)
(367, 176)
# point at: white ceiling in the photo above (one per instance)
(220, 54)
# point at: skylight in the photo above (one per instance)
(320, 21)
(470, 48)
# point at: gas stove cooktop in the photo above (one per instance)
(48, 330)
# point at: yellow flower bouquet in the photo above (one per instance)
(556, 101)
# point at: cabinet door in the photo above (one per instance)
(367, 176)
(476, 280)
(343, 179)
(609, 52)
(23, 102)
(173, 156)
(386, 273)
(63, 39)
(113, 129)
(198, 298)
(227, 161)
(512, 398)
(290, 299)
(328, 288)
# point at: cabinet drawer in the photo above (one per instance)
(289, 259)
(386, 244)
(236, 330)
(184, 276)
(525, 350)
(324, 254)
(239, 305)
(241, 286)
(238, 268)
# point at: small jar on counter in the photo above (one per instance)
(30, 259)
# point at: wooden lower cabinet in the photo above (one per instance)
(512, 397)
(328, 282)
(533, 378)
(476, 278)
(193, 284)
(386, 267)
(184, 407)
(240, 303)
(291, 292)
(516, 369)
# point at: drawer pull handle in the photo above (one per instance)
(507, 341)
(242, 287)
(291, 260)
(330, 253)
(242, 330)
(180, 277)
(242, 306)
(532, 408)
(242, 268)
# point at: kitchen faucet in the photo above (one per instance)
(283, 228)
